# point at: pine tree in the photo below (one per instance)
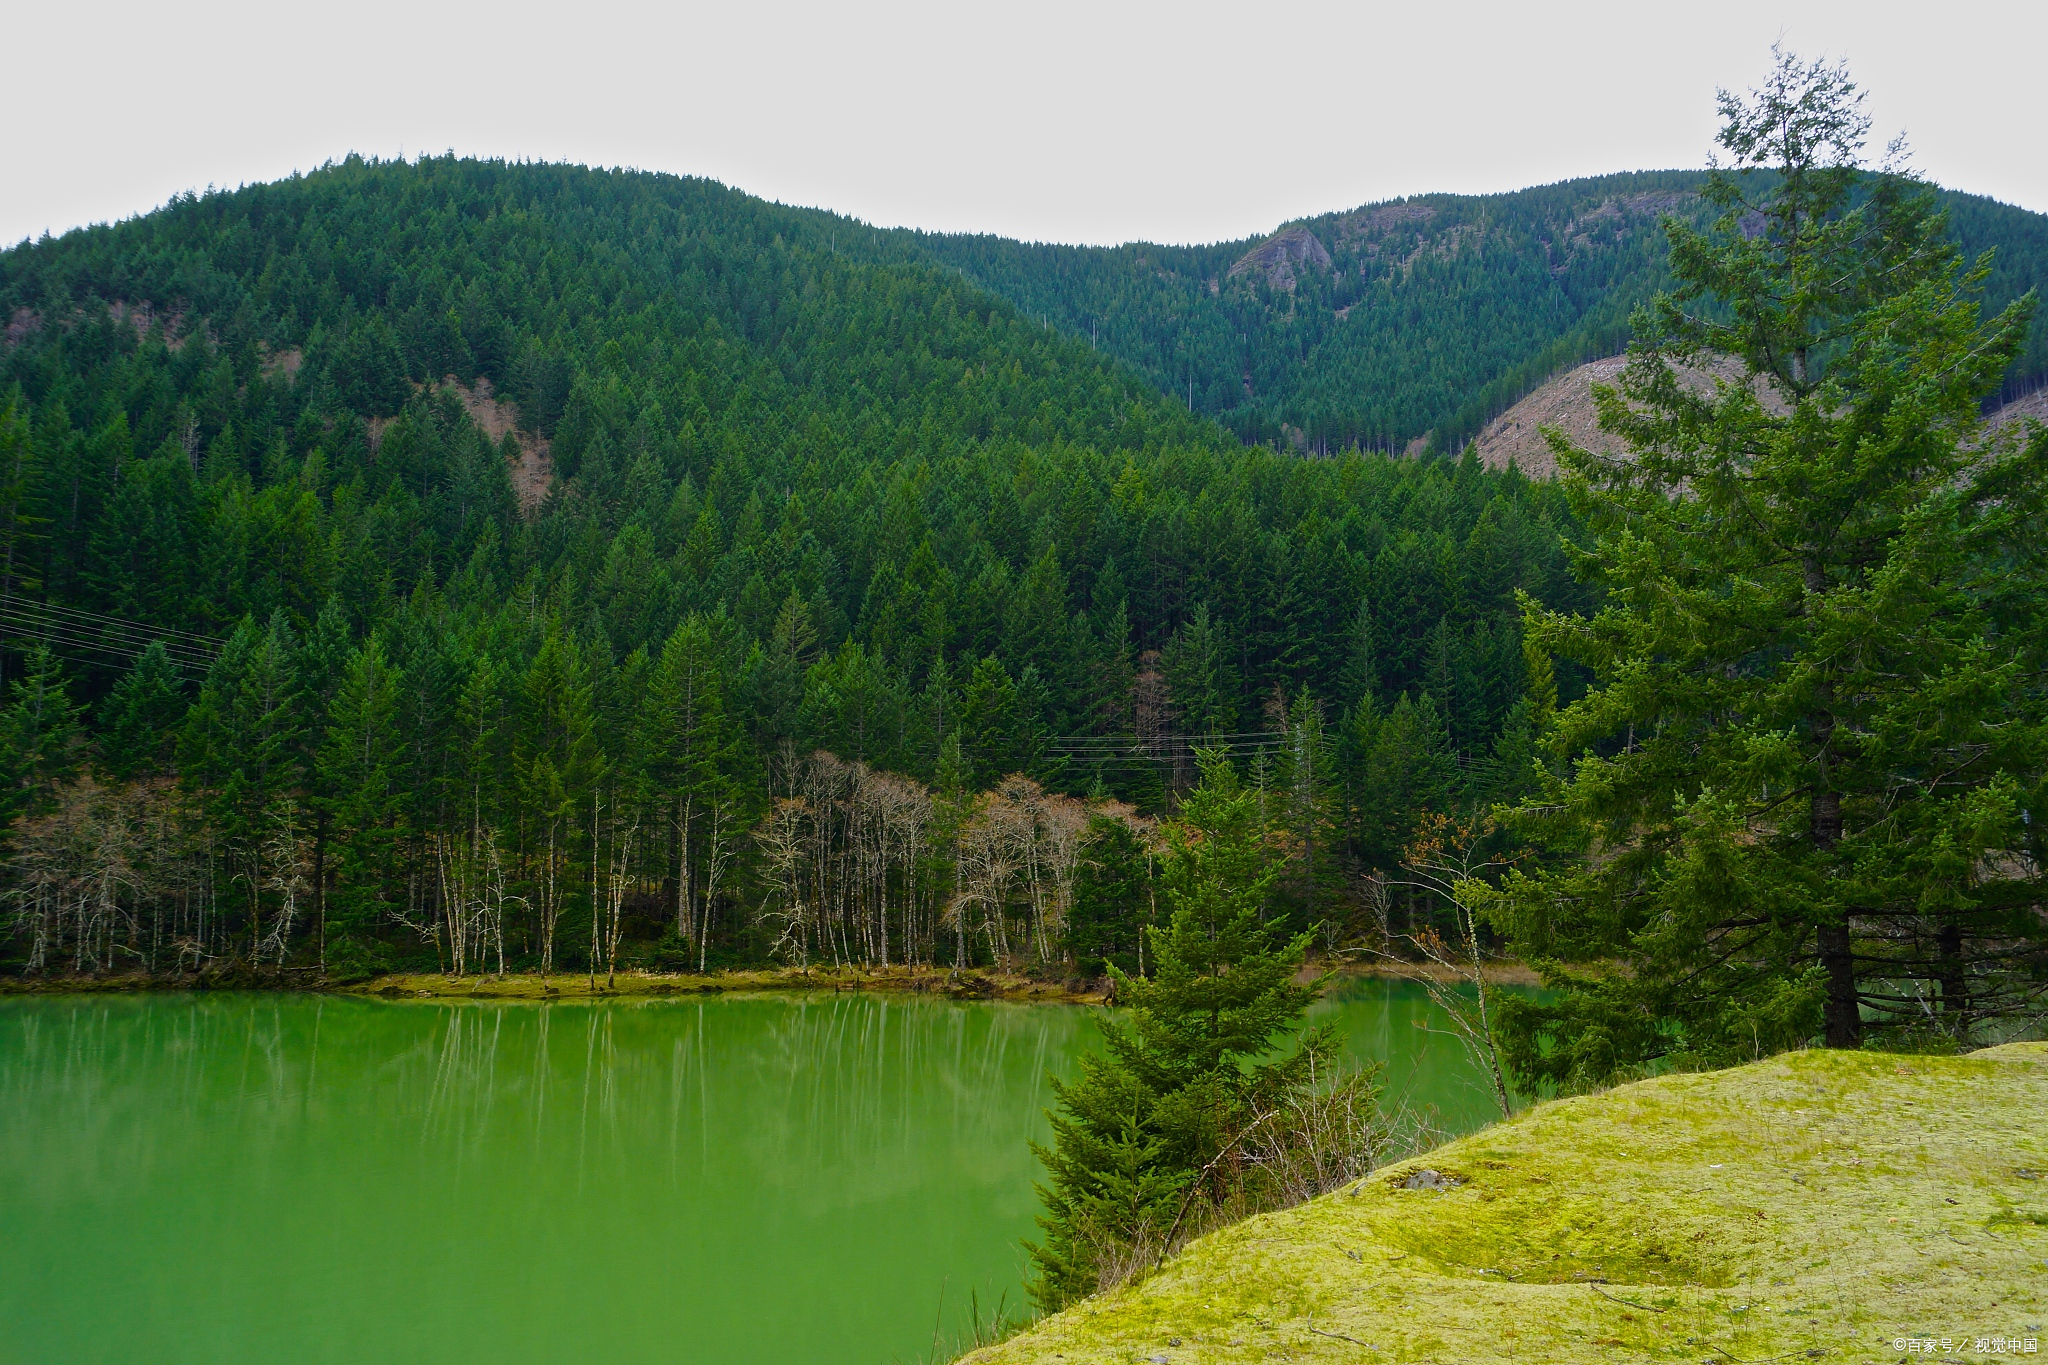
(1199, 675)
(692, 747)
(141, 714)
(1153, 1122)
(557, 765)
(240, 749)
(1407, 770)
(357, 771)
(1304, 783)
(1112, 899)
(1000, 732)
(20, 522)
(1360, 679)
(1799, 771)
(1035, 627)
(39, 735)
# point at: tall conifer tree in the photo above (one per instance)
(1792, 798)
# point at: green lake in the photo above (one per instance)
(817, 1178)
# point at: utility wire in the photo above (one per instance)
(57, 609)
(31, 629)
(67, 630)
(71, 647)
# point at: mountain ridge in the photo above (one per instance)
(1399, 325)
(1470, 303)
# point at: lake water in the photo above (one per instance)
(271, 1178)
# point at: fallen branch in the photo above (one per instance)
(1629, 1302)
(1336, 1336)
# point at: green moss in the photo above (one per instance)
(1816, 1202)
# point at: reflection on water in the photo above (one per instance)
(1426, 1068)
(257, 1178)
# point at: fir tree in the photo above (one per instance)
(39, 734)
(1152, 1123)
(1796, 784)
(1112, 899)
(140, 716)
(20, 524)
(357, 764)
(1200, 677)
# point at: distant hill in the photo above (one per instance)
(1420, 318)
(614, 399)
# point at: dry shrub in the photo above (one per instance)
(1324, 1133)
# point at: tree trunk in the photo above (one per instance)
(320, 886)
(1955, 982)
(1844, 1016)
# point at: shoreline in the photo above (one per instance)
(973, 984)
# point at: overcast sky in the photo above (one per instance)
(1099, 121)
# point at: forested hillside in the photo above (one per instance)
(811, 601)
(1423, 317)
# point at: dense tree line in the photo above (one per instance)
(846, 588)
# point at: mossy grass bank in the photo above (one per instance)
(965, 985)
(1819, 1204)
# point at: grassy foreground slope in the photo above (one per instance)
(1818, 1204)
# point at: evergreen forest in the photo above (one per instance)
(772, 545)
(470, 566)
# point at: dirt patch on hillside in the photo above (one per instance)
(285, 362)
(2032, 407)
(145, 317)
(1566, 403)
(534, 470)
(22, 322)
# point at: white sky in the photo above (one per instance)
(1053, 120)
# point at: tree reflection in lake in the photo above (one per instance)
(256, 1178)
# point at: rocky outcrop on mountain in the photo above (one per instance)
(1279, 256)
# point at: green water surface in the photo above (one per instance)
(282, 1178)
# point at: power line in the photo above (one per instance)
(62, 645)
(30, 628)
(57, 609)
(87, 639)
(69, 630)
(1241, 739)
